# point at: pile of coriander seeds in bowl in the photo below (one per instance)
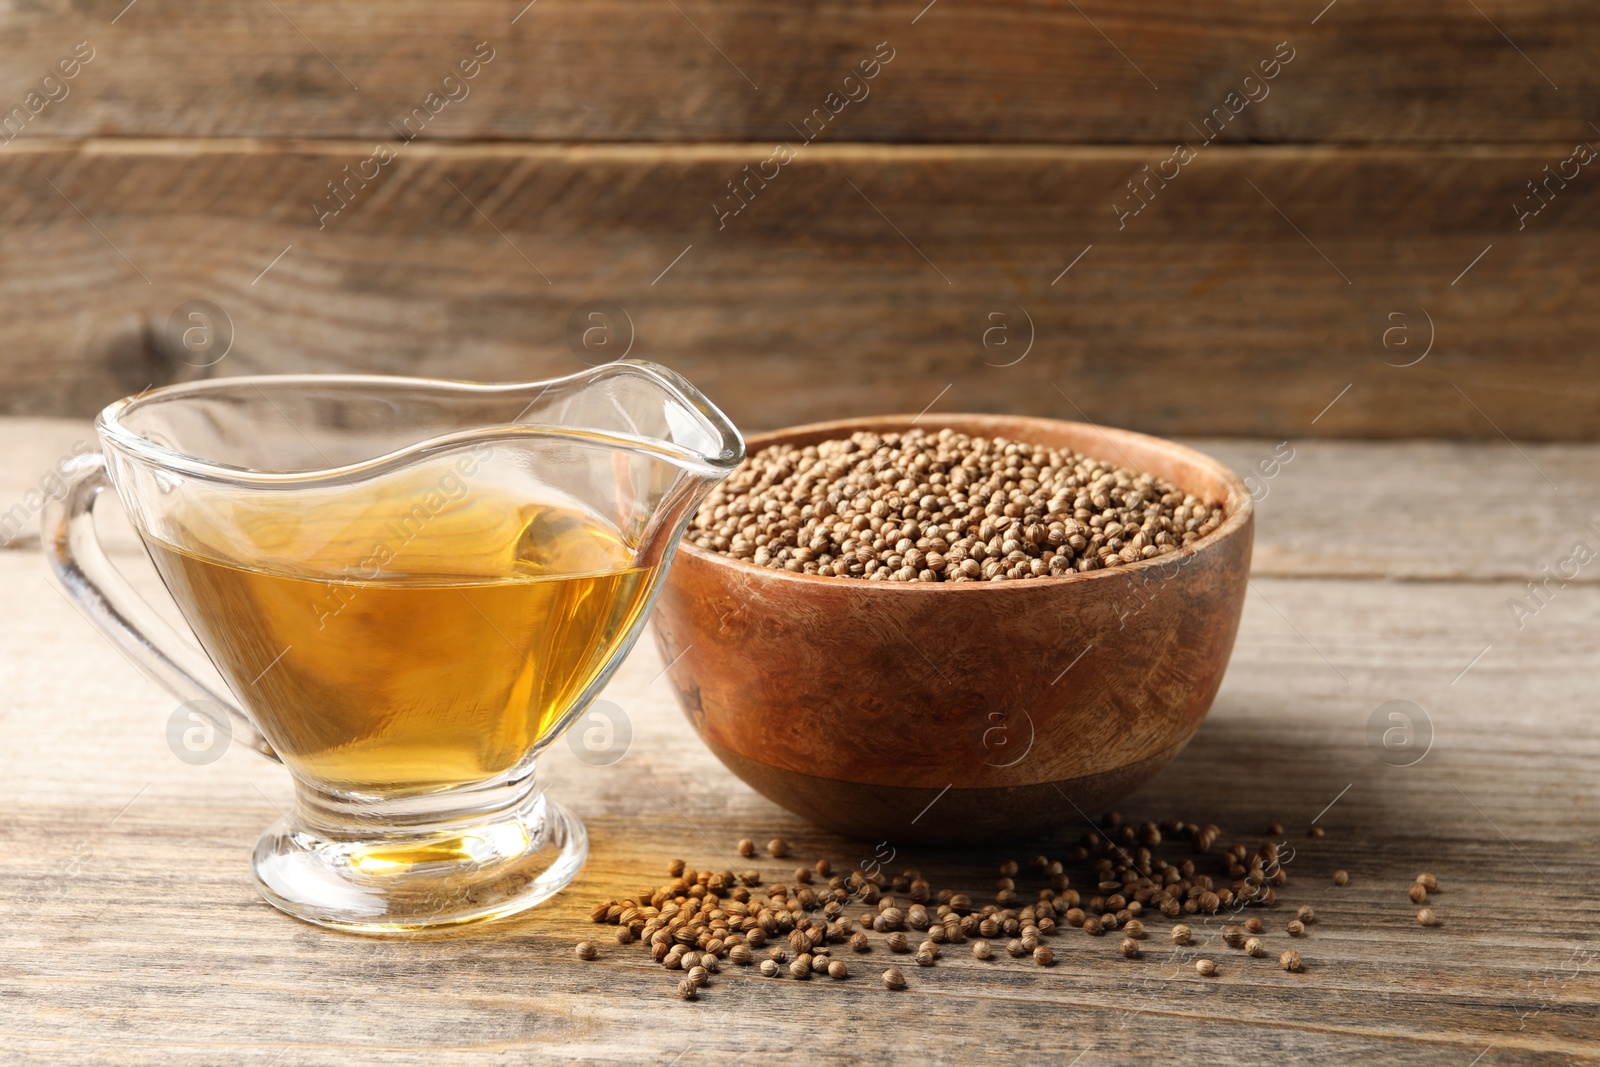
(944, 506)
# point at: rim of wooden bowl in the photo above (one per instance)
(1240, 504)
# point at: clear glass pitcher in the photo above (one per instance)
(411, 588)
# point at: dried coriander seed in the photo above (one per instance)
(1233, 936)
(1014, 948)
(924, 957)
(859, 943)
(1296, 928)
(838, 970)
(777, 848)
(747, 849)
(769, 968)
(1428, 882)
(893, 979)
(1427, 918)
(1417, 892)
(1253, 925)
(898, 942)
(982, 950)
(800, 968)
(1181, 934)
(1130, 948)
(675, 869)
(585, 950)
(1254, 947)
(688, 990)
(1205, 968)
(1341, 877)
(1306, 914)
(942, 506)
(698, 975)
(1134, 929)
(1043, 956)
(1289, 960)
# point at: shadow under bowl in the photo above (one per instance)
(958, 712)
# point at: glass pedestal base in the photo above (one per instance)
(397, 883)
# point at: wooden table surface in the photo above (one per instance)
(131, 933)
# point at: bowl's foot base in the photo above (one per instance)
(953, 816)
(398, 884)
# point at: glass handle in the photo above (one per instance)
(92, 583)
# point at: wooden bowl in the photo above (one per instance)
(961, 711)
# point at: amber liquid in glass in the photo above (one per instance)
(392, 656)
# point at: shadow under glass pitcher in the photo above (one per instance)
(411, 588)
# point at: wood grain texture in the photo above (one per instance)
(132, 935)
(1243, 299)
(636, 70)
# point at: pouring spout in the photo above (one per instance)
(644, 403)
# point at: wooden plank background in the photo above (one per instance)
(862, 280)
(1379, 222)
(1019, 71)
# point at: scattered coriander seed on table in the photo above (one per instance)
(1181, 934)
(1205, 968)
(1233, 936)
(688, 990)
(769, 968)
(800, 968)
(837, 969)
(1254, 947)
(747, 848)
(777, 847)
(1427, 918)
(1043, 956)
(698, 975)
(1296, 928)
(1014, 948)
(1341, 877)
(898, 942)
(982, 950)
(893, 979)
(1315, 831)
(1134, 929)
(1306, 914)
(1417, 892)
(1253, 925)
(1130, 948)
(858, 942)
(1290, 960)
(1428, 882)
(585, 950)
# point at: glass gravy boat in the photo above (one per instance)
(411, 588)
